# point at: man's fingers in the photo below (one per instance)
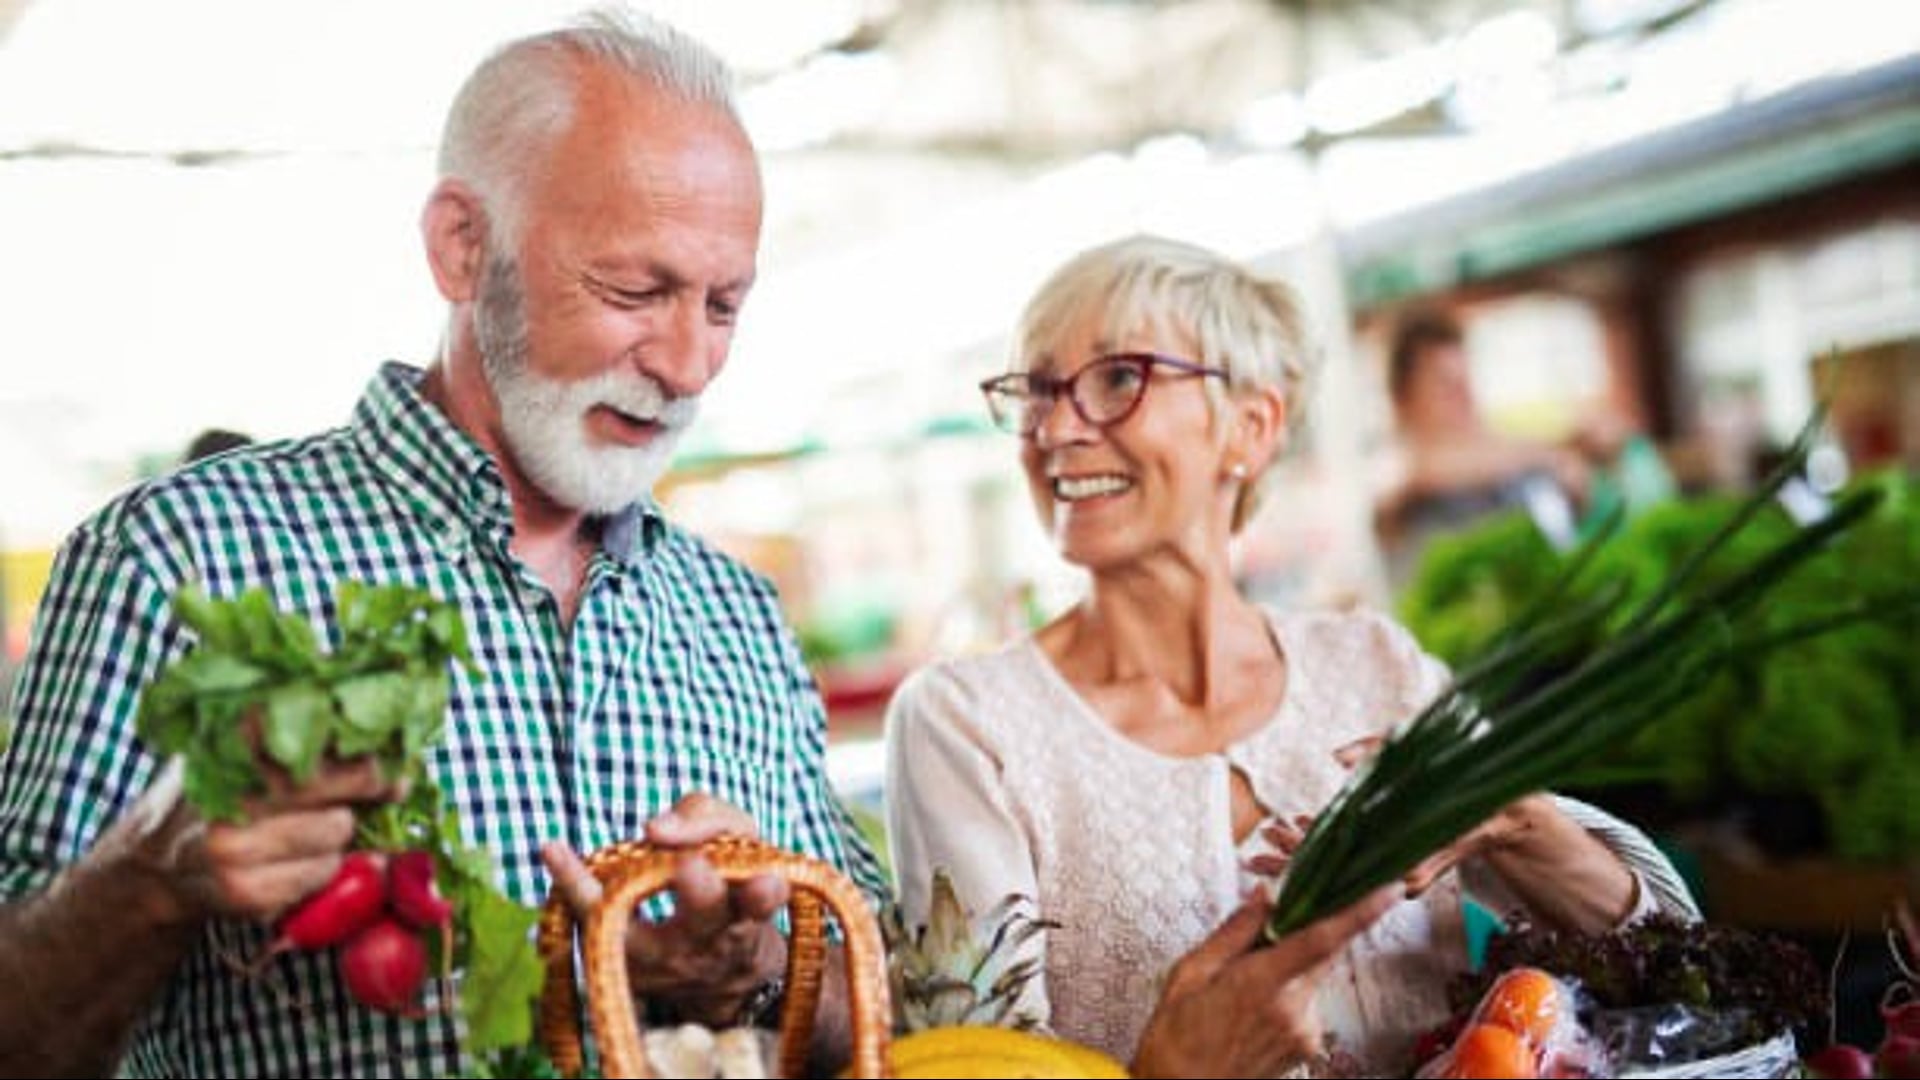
(293, 835)
(262, 891)
(697, 819)
(702, 904)
(333, 782)
(760, 897)
(701, 908)
(571, 876)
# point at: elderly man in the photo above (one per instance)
(594, 232)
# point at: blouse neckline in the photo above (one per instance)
(1084, 713)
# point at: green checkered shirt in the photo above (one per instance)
(678, 675)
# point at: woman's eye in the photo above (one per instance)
(1120, 377)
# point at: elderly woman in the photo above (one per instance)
(1133, 763)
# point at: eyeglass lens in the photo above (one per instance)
(1103, 392)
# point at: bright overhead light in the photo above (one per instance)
(830, 94)
(1504, 70)
(1361, 96)
(1272, 122)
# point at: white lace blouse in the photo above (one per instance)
(999, 771)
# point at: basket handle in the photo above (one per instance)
(631, 872)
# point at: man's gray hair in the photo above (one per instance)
(522, 97)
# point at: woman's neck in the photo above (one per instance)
(1190, 633)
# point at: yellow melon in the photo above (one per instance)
(967, 1052)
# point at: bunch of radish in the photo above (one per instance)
(1897, 1056)
(1899, 1052)
(375, 910)
(380, 693)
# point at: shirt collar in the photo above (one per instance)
(632, 534)
(451, 479)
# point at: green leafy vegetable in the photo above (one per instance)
(259, 688)
(1827, 720)
(1663, 960)
(1576, 671)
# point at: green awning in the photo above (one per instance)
(1747, 156)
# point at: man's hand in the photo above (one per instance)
(720, 945)
(87, 957)
(1231, 1009)
(289, 844)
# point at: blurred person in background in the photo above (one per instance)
(594, 231)
(1144, 760)
(213, 441)
(1454, 468)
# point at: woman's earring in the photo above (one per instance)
(1238, 470)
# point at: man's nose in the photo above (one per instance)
(689, 350)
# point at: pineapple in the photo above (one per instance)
(957, 971)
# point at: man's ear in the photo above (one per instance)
(454, 226)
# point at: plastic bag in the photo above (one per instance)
(1525, 1025)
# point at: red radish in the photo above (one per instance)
(1840, 1061)
(1898, 1056)
(385, 966)
(347, 903)
(1901, 1017)
(414, 893)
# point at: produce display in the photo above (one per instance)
(1585, 665)
(956, 984)
(959, 970)
(1660, 992)
(986, 1051)
(1828, 721)
(1898, 1054)
(413, 898)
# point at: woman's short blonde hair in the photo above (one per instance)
(1248, 324)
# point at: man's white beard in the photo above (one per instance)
(545, 419)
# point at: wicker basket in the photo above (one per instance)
(631, 872)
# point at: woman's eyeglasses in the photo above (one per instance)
(1103, 393)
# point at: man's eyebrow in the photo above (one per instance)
(661, 273)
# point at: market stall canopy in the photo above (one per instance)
(204, 201)
(1799, 139)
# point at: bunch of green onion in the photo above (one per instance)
(1568, 677)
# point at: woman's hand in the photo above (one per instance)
(1232, 1009)
(1558, 870)
(720, 945)
(1505, 830)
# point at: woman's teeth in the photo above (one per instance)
(1074, 488)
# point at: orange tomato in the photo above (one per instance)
(1525, 1001)
(1489, 1050)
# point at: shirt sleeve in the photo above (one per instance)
(1660, 887)
(104, 628)
(948, 809)
(825, 828)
